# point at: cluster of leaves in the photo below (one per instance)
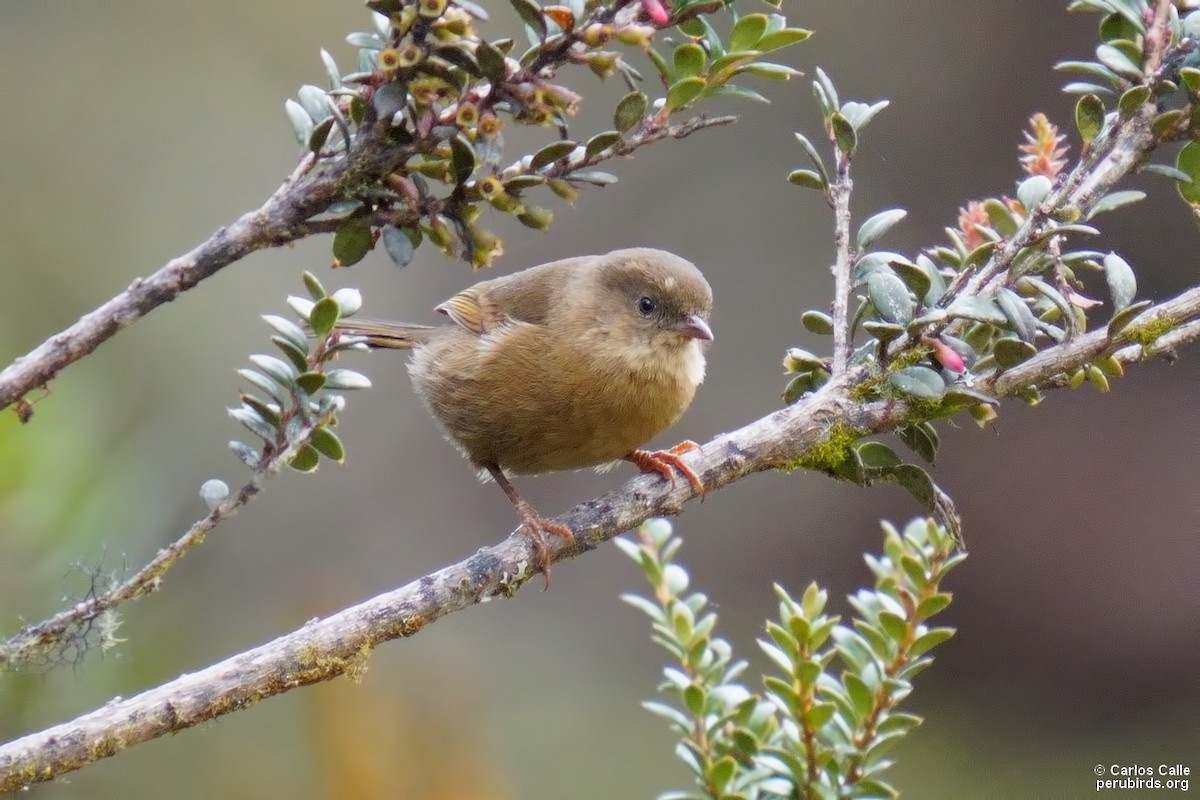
(831, 711)
(297, 410)
(438, 95)
(943, 325)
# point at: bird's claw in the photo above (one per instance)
(536, 528)
(667, 463)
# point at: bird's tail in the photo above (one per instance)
(382, 334)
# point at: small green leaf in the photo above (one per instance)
(531, 14)
(747, 31)
(630, 111)
(878, 225)
(351, 242)
(689, 60)
(890, 297)
(1122, 318)
(306, 460)
(1122, 283)
(491, 61)
(1020, 318)
(683, 92)
(346, 379)
(1114, 200)
(324, 315)
(551, 153)
(920, 382)
(601, 142)
(311, 382)
(298, 357)
(328, 444)
(1089, 117)
(844, 135)
(920, 440)
(288, 330)
(817, 322)
(1164, 125)
(1131, 101)
(315, 290)
(776, 40)
(302, 123)
(1188, 162)
(462, 158)
(877, 454)
(934, 604)
(254, 422)
(1009, 352)
(275, 368)
(1033, 191)
(398, 245)
(808, 179)
(1116, 60)
(918, 483)
(929, 640)
(245, 453)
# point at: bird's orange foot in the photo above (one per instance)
(667, 463)
(536, 529)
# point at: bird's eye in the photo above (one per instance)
(647, 306)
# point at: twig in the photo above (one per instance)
(44, 636)
(340, 644)
(839, 192)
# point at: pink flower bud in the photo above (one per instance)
(946, 356)
(655, 11)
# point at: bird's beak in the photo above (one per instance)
(694, 327)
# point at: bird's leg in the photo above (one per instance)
(667, 462)
(534, 526)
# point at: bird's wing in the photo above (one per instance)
(523, 297)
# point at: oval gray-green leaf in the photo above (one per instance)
(890, 297)
(298, 357)
(327, 443)
(918, 483)
(915, 276)
(1131, 100)
(817, 322)
(1122, 284)
(1117, 61)
(684, 91)
(1019, 317)
(779, 39)
(551, 153)
(808, 179)
(1187, 161)
(1089, 117)
(1009, 352)
(346, 379)
(977, 308)
(877, 454)
(288, 330)
(1125, 316)
(302, 124)
(462, 158)
(883, 331)
(491, 61)
(311, 382)
(630, 111)
(919, 440)
(844, 135)
(747, 31)
(920, 382)
(306, 460)
(245, 453)
(1114, 200)
(351, 242)
(878, 225)
(689, 60)
(277, 369)
(324, 315)
(531, 15)
(1033, 191)
(398, 245)
(601, 142)
(272, 387)
(253, 422)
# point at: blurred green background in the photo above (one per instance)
(132, 130)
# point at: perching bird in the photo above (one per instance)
(571, 364)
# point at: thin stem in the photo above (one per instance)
(839, 193)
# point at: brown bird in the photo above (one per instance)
(571, 364)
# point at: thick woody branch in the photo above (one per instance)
(340, 644)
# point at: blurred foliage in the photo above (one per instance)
(830, 714)
(443, 94)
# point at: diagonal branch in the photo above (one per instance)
(340, 644)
